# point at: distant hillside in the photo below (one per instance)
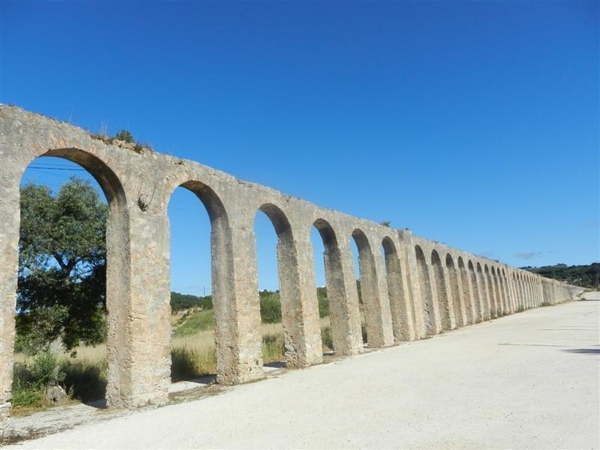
(585, 276)
(180, 302)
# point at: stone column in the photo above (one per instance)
(375, 296)
(412, 288)
(301, 317)
(346, 332)
(138, 302)
(399, 296)
(383, 299)
(9, 267)
(235, 290)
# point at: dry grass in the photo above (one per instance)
(193, 355)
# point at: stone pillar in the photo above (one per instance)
(9, 267)
(483, 293)
(374, 296)
(455, 299)
(138, 302)
(235, 297)
(343, 300)
(450, 296)
(301, 317)
(435, 296)
(399, 295)
(412, 288)
(467, 295)
(384, 301)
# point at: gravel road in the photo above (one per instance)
(530, 380)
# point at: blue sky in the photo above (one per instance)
(471, 123)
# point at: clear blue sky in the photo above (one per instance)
(471, 123)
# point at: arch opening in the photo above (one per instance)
(477, 301)
(454, 292)
(280, 307)
(442, 291)
(193, 345)
(345, 326)
(72, 255)
(426, 293)
(467, 293)
(483, 292)
(223, 313)
(399, 306)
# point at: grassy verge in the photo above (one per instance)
(193, 355)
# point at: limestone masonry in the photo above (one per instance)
(413, 289)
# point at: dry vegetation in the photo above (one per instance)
(193, 356)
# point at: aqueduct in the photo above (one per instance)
(411, 287)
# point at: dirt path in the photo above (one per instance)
(530, 380)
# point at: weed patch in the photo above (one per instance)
(189, 363)
(273, 348)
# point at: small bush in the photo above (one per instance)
(45, 369)
(124, 136)
(30, 381)
(31, 398)
(270, 307)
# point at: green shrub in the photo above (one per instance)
(30, 380)
(45, 370)
(270, 307)
(125, 136)
(31, 398)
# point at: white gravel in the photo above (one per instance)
(530, 380)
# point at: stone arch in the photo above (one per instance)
(345, 324)
(426, 292)
(496, 291)
(522, 291)
(400, 307)
(477, 301)
(454, 294)
(374, 314)
(527, 289)
(221, 268)
(467, 292)
(509, 290)
(489, 283)
(502, 291)
(442, 292)
(483, 292)
(517, 289)
(292, 308)
(119, 391)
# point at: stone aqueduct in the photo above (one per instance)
(411, 289)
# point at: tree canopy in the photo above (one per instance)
(62, 266)
(585, 276)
